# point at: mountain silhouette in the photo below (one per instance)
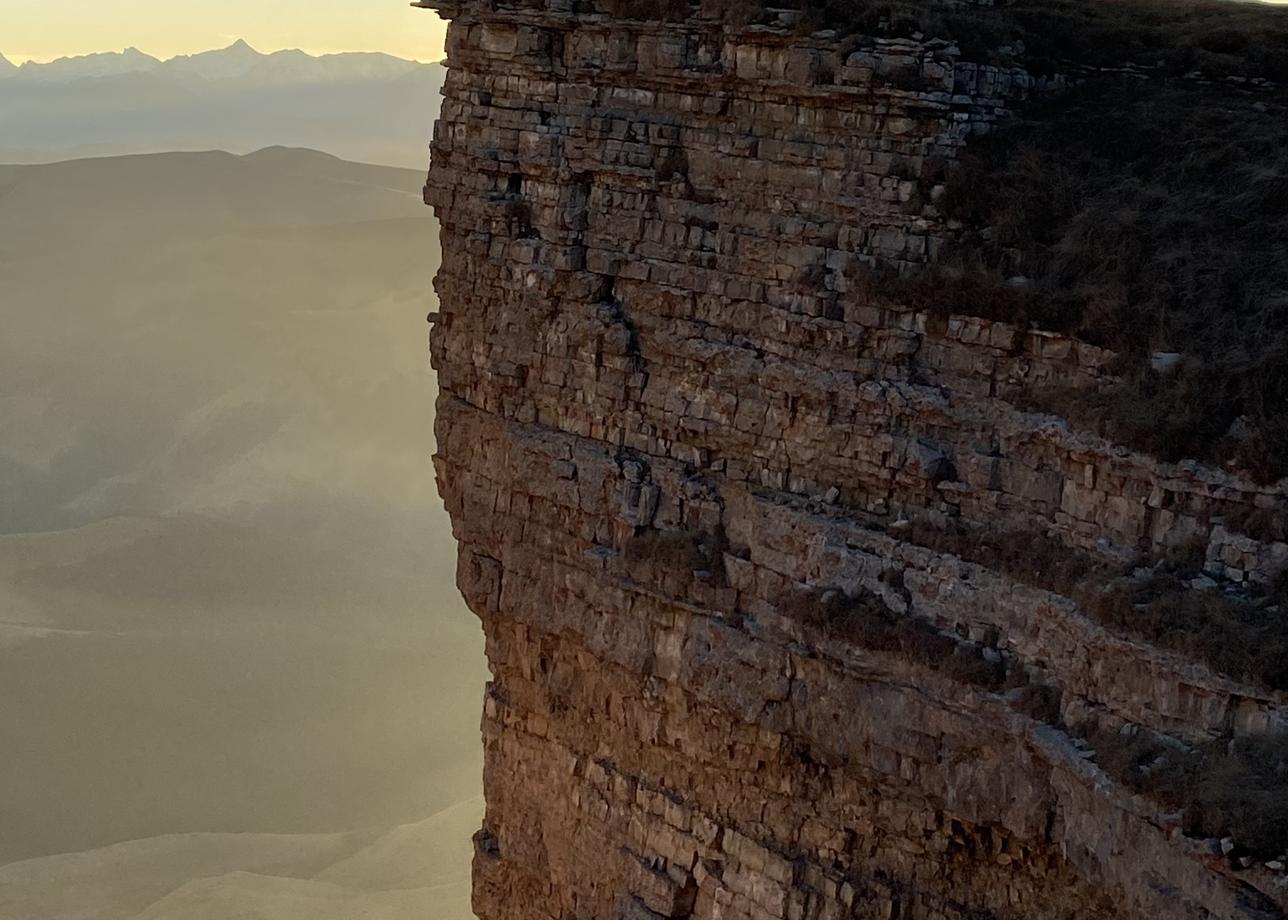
(88, 66)
(366, 107)
(236, 61)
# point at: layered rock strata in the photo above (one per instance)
(671, 403)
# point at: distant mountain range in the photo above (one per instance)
(239, 61)
(367, 107)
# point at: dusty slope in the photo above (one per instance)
(416, 870)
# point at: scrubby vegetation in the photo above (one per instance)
(1268, 525)
(1246, 638)
(1242, 635)
(1038, 701)
(1144, 217)
(675, 551)
(864, 619)
(1033, 558)
(1234, 788)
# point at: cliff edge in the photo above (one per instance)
(796, 605)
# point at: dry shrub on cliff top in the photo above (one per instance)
(1144, 217)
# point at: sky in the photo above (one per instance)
(56, 28)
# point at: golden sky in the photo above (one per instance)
(46, 29)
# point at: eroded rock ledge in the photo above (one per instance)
(669, 406)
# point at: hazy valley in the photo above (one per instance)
(226, 602)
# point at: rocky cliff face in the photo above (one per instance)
(697, 467)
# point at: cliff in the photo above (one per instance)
(794, 608)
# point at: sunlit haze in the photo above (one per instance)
(58, 28)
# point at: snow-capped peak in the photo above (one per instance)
(105, 64)
(225, 63)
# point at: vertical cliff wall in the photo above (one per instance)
(687, 449)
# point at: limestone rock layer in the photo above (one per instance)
(673, 413)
